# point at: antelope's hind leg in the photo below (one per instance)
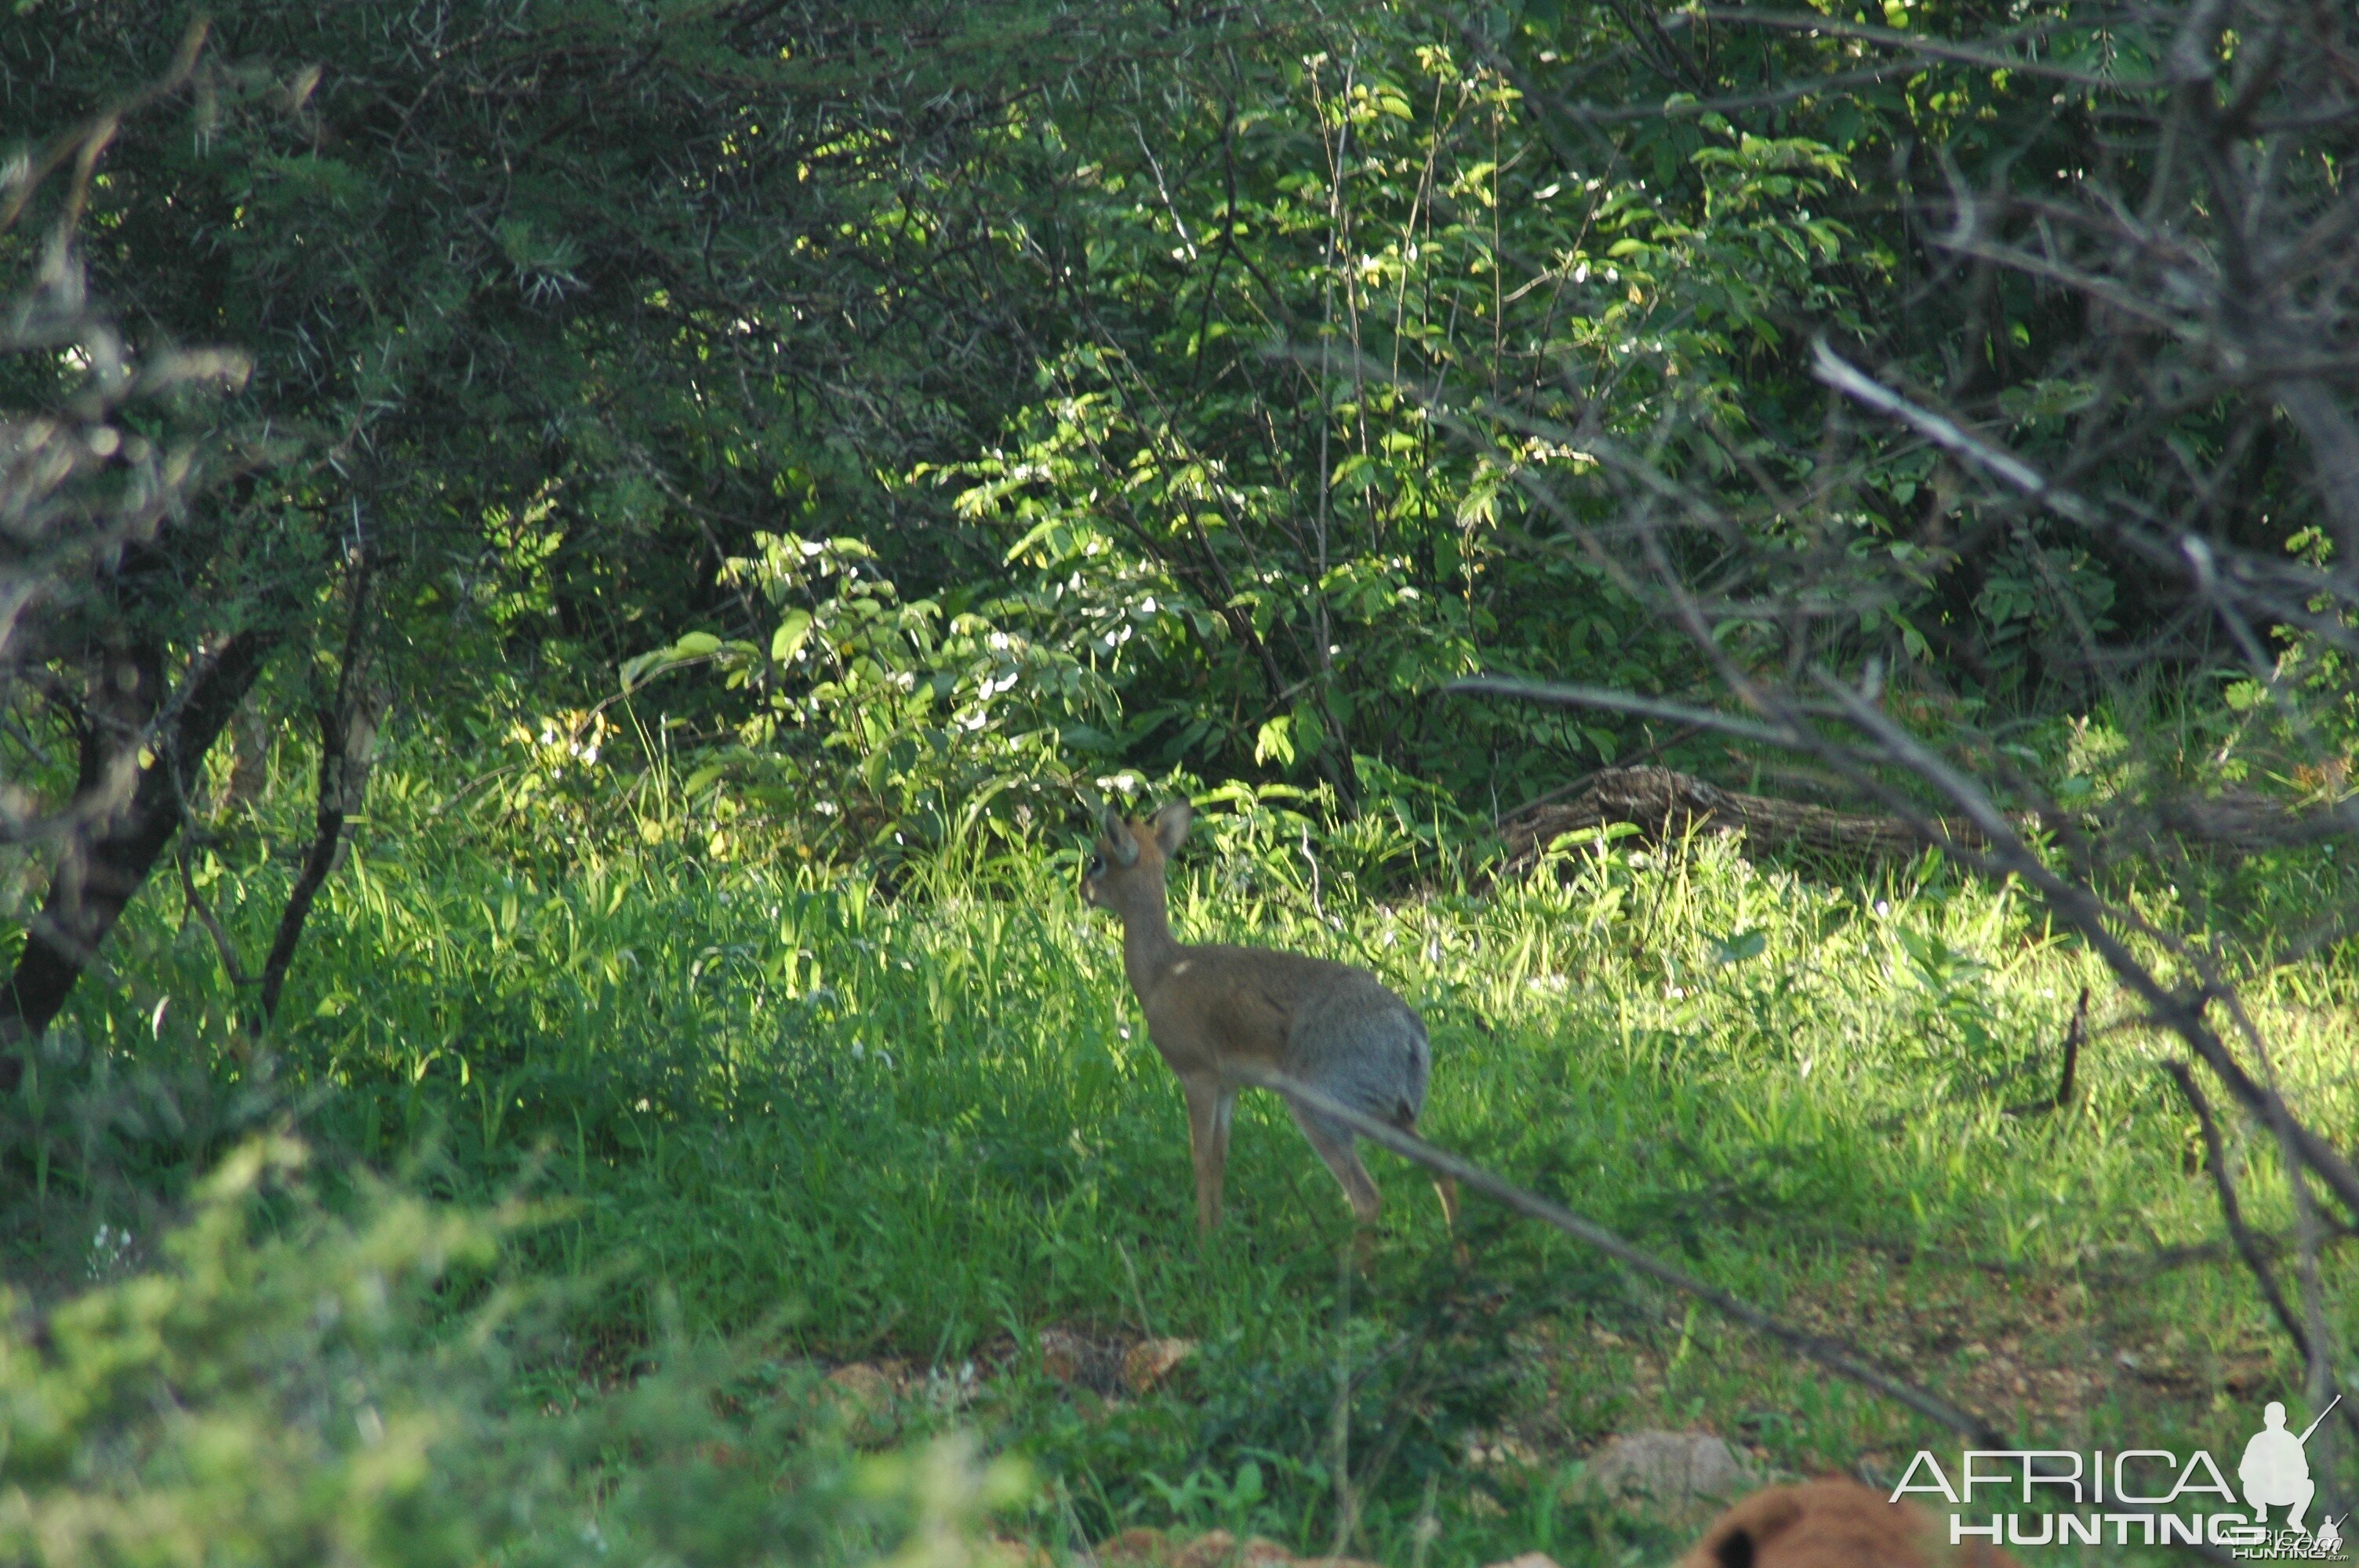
(1444, 1187)
(1333, 1143)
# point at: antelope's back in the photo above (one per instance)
(1220, 1004)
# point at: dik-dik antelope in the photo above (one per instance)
(1213, 1009)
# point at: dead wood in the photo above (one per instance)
(1666, 805)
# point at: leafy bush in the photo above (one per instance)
(292, 1388)
(902, 722)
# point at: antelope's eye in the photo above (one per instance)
(1097, 865)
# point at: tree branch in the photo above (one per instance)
(97, 875)
(1835, 1357)
(348, 726)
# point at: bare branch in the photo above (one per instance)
(1836, 1357)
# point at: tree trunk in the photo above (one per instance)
(105, 861)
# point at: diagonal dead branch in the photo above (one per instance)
(1842, 1359)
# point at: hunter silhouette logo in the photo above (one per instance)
(2276, 1471)
(2139, 1496)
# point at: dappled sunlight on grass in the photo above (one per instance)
(928, 1127)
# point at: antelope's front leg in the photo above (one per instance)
(1210, 1104)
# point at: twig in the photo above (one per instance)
(347, 735)
(222, 943)
(83, 145)
(2248, 1246)
(1577, 695)
(1846, 378)
(2075, 1034)
(1814, 24)
(1684, 733)
(1339, 1435)
(1993, 848)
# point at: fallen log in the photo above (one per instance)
(1666, 805)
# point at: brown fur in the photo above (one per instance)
(1214, 1007)
(1832, 1524)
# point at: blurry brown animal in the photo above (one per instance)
(1211, 1009)
(1832, 1524)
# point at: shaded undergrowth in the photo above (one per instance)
(767, 1106)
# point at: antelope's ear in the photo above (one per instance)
(1120, 842)
(1170, 826)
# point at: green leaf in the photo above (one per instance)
(638, 669)
(787, 641)
(1039, 532)
(1738, 945)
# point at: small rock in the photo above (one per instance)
(1150, 1361)
(1529, 1559)
(1667, 1466)
(1007, 1552)
(1140, 1545)
(1082, 1361)
(1504, 1448)
(867, 1392)
(1214, 1549)
(863, 1382)
(1260, 1552)
(1063, 1354)
(952, 1388)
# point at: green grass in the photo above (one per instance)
(771, 1105)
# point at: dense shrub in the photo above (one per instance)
(283, 1386)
